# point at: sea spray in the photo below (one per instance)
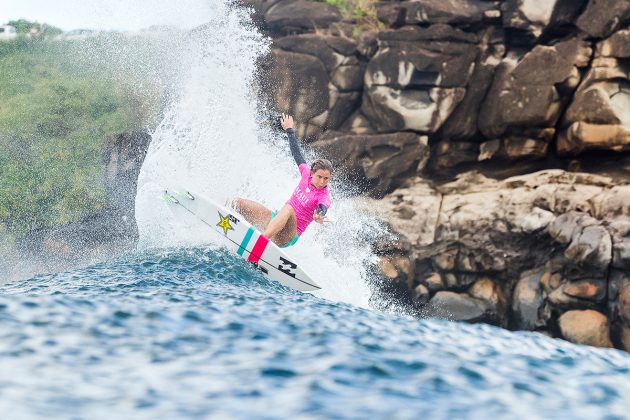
(211, 141)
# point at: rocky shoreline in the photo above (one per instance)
(492, 136)
(547, 251)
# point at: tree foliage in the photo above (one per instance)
(53, 119)
(23, 26)
(362, 12)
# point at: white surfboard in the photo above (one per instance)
(241, 238)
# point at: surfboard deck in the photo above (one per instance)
(240, 237)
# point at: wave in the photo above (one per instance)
(212, 141)
(194, 332)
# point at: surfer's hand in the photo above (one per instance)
(286, 121)
(318, 218)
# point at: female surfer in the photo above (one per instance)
(309, 202)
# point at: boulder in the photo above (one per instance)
(619, 307)
(259, 7)
(513, 148)
(529, 19)
(358, 123)
(448, 154)
(613, 203)
(416, 223)
(421, 295)
(462, 123)
(581, 136)
(433, 282)
(620, 233)
(417, 77)
(585, 327)
(377, 163)
(122, 156)
(396, 269)
(601, 103)
(456, 307)
(297, 16)
(341, 106)
(579, 294)
(589, 244)
(617, 45)
(368, 44)
(521, 96)
(527, 301)
(485, 289)
(598, 117)
(453, 12)
(299, 84)
(331, 50)
(594, 290)
(488, 291)
(603, 17)
(348, 78)
(316, 77)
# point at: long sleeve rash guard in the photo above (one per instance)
(299, 160)
(295, 147)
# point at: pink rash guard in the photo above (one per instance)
(305, 199)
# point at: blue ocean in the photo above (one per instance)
(197, 333)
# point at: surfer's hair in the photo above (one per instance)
(321, 164)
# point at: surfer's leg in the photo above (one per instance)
(255, 213)
(283, 227)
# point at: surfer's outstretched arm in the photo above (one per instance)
(287, 124)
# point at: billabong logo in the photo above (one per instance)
(287, 267)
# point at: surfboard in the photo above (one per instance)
(240, 237)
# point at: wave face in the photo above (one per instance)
(195, 333)
(214, 139)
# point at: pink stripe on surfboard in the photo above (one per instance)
(259, 248)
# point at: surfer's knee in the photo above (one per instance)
(235, 202)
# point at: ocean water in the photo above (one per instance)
(197, 333)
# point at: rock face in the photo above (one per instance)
(540, 251)
(318, 78)
(375, 162)
(417, 77)
(599, 116)
(487, 82)
(104, 233)
(282, 17)
(477, 122)
(122, 158)
(436, 11)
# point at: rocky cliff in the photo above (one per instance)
(105, 232)
(495, 134)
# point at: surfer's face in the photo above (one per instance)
(320, 178)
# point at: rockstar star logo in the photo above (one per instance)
(225, 223)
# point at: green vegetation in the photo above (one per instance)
(56, 107)
(24, 26)
(360, 11)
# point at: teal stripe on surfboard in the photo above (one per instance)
(246, 239)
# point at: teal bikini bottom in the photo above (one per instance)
(292, 241)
